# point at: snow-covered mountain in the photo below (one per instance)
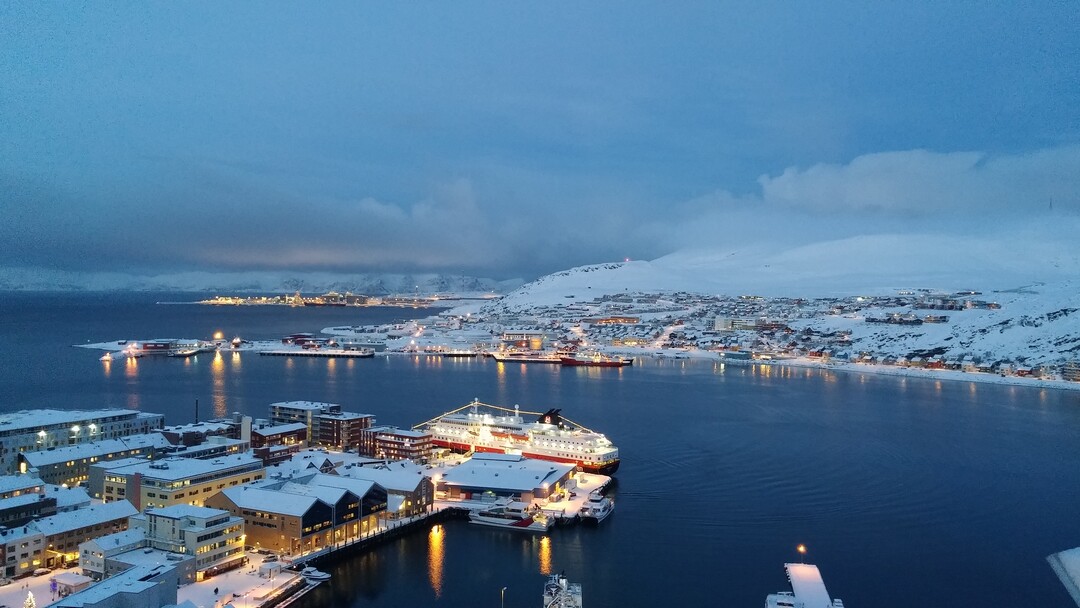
(23, 279)
(876, 264)
(1036, 286)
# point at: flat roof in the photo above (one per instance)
(291, 427)
(10, 483)
(181, 468)
(522, 475)
(81, 518)
(808, 586)
(178, 511)
(35, 419)
(128, 581)
(305, 405)
(89, 449)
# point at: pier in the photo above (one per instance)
(321, 352)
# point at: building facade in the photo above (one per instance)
(28, 431)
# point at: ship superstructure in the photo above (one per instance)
(480, 427)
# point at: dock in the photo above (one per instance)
(335, 353)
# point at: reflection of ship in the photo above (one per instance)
(595, 359)
(513, 516)
(501, 430)
(558, 593)
(525, 357)
(597, 508)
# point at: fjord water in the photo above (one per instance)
(906, 491)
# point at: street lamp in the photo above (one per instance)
(502, 598)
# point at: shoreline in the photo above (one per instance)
(929, 374)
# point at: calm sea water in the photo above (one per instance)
(906, 491)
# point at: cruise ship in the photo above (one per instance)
(479, 427)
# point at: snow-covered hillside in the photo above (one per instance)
(877, 264)
(1039, 323)
(1036, 325)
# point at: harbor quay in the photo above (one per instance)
(241, 512)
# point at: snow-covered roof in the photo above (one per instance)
(246, 497)
(314, 406)
(81, 518)
(278, 429)
(11, 483)
(68, 497)
(133, 580)
(401, 476)
(34, 419)
(124, 538)
(523, 475)
(360, 487)
(173, 469)
(178, 511)
(90, 449)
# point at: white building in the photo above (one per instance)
(213, 536)
(27, 431)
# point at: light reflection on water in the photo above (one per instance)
(435, 559)
(217, 372)
(545, 556)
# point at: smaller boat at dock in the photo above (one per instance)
(459, 354)
(513, 516)
(596, 509)
(314, 575)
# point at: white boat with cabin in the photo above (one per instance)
(597, 508)
(513, 516)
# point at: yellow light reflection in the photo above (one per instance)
(435, 558)
(217, 374)
(235, 361)
(331, 367)
(545, 556)
(108, 367)
(131, 367)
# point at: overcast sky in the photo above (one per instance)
(511, 139)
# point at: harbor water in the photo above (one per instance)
(906, 491)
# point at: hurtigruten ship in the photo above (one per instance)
(502, 430)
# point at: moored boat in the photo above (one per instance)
(513, 516)
(313, 574)
(597, 508)
(501, 430)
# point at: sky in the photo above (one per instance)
(512, 140)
